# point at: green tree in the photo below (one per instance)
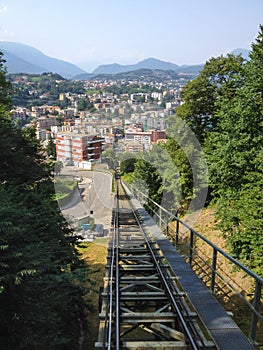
(235, 153)
(6, 88)
(82, 104)
(148, 179)
(40, 301)
(219, 79)
(40, 295)
(128, 165)
(51, 149)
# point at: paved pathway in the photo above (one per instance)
(94, 197)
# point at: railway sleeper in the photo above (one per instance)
(142, 345)
(142, 301)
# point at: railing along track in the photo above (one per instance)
(143, 306)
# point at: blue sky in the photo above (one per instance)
(93, 32)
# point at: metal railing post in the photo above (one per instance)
(254, 318)
(160, 217)
(167, 224)
(191, 248)
(177, 234)
(213, 274)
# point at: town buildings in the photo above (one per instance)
(137, 140)
(78, 149)
(108, 113)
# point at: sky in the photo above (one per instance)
(93, 32)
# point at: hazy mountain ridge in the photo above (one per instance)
(243, 52)
(16, 64)
(143, 73)
(153, 63)
(148, 63)
(21, 58)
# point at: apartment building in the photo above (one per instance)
(134, 136)
(19, 113)
(78, 148)
(45, 122)
(132, 147)
(158, 135)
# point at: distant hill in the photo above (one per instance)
(84, 76)
(146, 73)
(16, 64)
(148, 63)
(190, 70)
(142, 73)
(153, 63)
(243, 52)
(21, 58)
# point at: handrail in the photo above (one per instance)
(257, 279)
(236, 262)
(114, 257)
(110, 283)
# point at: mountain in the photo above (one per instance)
(113, 68)
(243, 52)
(84, 76)
(153, 63)
(146, 74)
(148, 63)
(190, 70)
(21, 58)
(143, 73)
(16, 64)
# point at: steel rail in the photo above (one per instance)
(164, 281)
(111, 277)
(117, 279)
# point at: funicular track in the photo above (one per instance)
(142, 305)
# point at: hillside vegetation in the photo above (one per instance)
(214, 153)
(41, 291)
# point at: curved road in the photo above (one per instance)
(95, 198)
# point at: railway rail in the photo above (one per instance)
(143, 305)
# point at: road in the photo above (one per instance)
(95, 197)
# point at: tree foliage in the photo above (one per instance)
(235, 154)
(46, 85)
(51, 148)
(148, 179)
(224, 107)
(40, 296)
(219, 79)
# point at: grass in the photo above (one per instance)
(92, 91)
(94, 254)
(128, 177)
(64, 187)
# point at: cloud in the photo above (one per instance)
(3, 9)
(5, 34)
